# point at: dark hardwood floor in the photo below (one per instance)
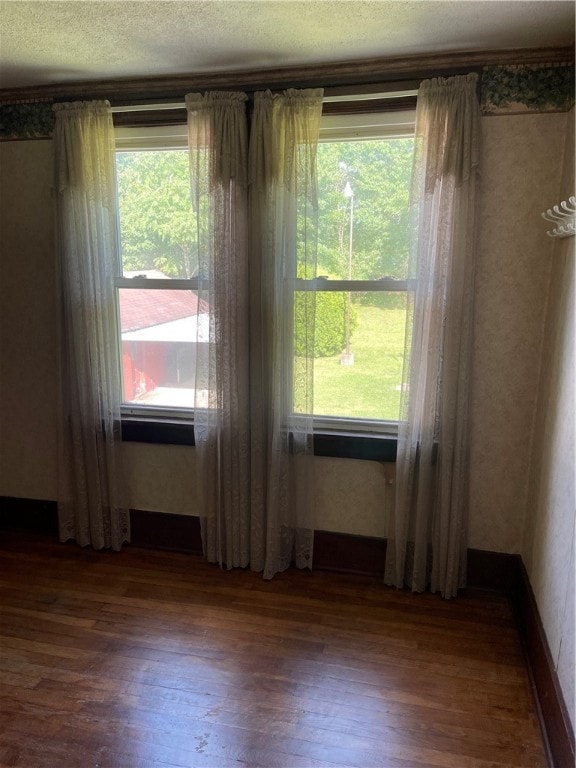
(143, 658)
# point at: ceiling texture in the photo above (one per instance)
(53, 42)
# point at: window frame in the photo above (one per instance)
(149, 138)
(360, 124)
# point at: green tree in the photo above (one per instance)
(158, 226)
(379, 174)
(321, 316)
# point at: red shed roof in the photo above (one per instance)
(143, 308)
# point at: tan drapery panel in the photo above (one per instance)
(254, 452)
(91, 504)
(427, 532)
(218, 169)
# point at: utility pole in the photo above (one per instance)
(347, 357)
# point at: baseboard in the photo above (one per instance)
(342, 552)
(496, 571)
(347, 553)
(157, 530)
(29, 515)
(365, 555)
(550, 703)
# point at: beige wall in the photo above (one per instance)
(522, 157)
(28, 365)
(549, 541)
(351, 496)
(521, 166)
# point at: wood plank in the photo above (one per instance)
(146, 658)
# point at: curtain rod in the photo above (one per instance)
(336, 98)
(148, 107)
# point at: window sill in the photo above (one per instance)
(161, 432)
(351, 445)
(344, 445)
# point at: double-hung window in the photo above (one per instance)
(364, 166)
(161, 319)
(362, 288)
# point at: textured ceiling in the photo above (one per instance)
(47, 42)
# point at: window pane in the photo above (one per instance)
(363, 234)
(359, 376)
(162, 332)
(363, 191)
(157, 225)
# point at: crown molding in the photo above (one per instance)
(359, 72)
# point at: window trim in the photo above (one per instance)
(334, 444)
(145, 428)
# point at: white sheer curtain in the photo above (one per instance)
(253, 453)
(90, 496)
(217, 133)
(283, 234)
(427, 534)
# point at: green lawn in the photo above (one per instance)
(369, 389)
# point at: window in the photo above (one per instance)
(161, 319)
(364, 166)
(364, 170)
